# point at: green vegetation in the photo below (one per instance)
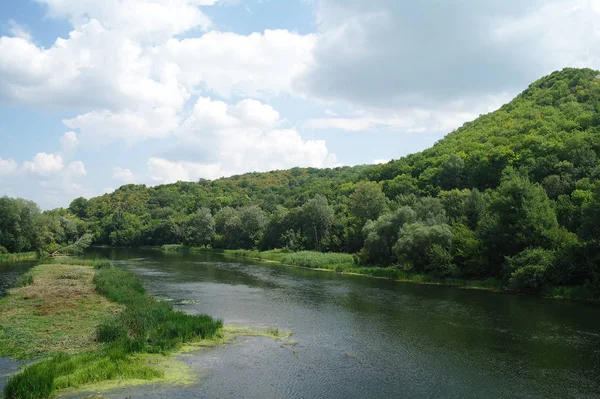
(513, 196)
(17, 257)
(141, 325)
(23, 228)
(344, 263)
(54, 309)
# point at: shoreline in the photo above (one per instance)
(68, 317)
(18, 257)
(385, 273)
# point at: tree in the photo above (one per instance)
(79, 207)
(424, 248)
(520, 216)
(451, 174)
(382, 234)
(316, 218)
(367, 202)
(196, 229)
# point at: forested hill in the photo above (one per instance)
(514, 194)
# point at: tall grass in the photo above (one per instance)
(144, 326)
(17, 257)
(344, 263)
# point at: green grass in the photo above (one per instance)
(344, 263)
(17, 257)
(48, 313)
(143, 326)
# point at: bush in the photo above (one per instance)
(529, 278)
(527, 269)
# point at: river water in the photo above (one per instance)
(359, 337)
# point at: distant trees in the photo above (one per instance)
(18, 225)
(24, 228)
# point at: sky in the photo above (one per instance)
(97, 94)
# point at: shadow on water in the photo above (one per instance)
(10, 271)
(359, 337)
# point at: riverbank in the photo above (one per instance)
(18, 257)
(91, 323)
(345, 264)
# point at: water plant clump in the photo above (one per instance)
(145, 325)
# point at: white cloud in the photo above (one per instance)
(389, 53)
(380, 161)
(143, 20)
(102, 127)
(244, 65)
(124, 175)
(69, 141)
(44, 164)
(237, 138)
(18, 31)
(94, 68)
(7, 167)
(164, 171)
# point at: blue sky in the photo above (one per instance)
(94, 94)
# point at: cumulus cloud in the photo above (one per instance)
(124, 175)
(164, 171)
(101, 127)
(236, 138)
(143, 20)
(44, 164)
(380, 161)
(94, 68)
(389, 53)
(7, 167)
(258, 64)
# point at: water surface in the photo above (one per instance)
(359, 337)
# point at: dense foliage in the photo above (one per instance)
(23, 228)
(513, 195)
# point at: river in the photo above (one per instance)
(359, 337)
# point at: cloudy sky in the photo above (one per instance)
(97, 94)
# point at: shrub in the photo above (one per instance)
(528, 277)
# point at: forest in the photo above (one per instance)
(513, 195)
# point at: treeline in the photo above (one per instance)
(23, 228)
(513, 195)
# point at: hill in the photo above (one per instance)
(513, 195)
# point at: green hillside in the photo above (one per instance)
(513, 195)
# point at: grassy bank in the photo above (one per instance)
(344, 263)
(56, 309)
(17, 257)
(119, 331)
